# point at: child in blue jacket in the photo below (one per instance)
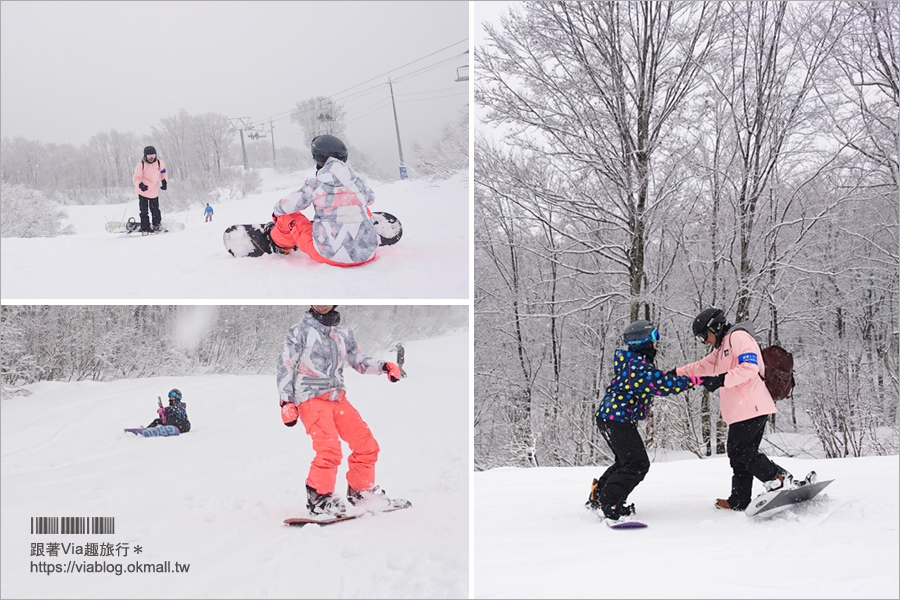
(627, 400)
(173, 414)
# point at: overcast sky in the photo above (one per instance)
(69, 70)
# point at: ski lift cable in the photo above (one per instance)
(286, 114)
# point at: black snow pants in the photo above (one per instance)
(153, 205)
(630, 467)
(746, 460)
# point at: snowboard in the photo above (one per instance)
(624, 524)
(322, 521)
(134, 226)
(162, 431)
(253, 240)
(768, 504)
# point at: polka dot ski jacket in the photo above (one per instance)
(637, 382)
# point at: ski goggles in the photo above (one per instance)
(150, 156)
(653, 337)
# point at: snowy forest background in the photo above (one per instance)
(103, 343)
(205, 154)
(648, 160)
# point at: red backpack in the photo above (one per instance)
(779, 372)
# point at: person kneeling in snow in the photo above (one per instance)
(311, 388)
(628, 399)
(173, 414)
(341, 233)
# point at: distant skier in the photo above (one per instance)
(734, 367)
(173, 414)
(149, 177)
(341, 233)
(628, 399)
(208, 212)
(401, 357)
(311, 387)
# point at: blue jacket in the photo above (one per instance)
(636, 383)
(177, 416)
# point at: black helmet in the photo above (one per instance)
(639, 334)
(325, 146)
(174, 396)
(711, 319)
(149, 150)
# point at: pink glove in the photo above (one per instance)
(392, 370)
(289, 413)
(162, 413)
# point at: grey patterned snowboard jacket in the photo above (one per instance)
(313, 358)
(342, 227)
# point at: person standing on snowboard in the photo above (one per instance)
(341, 233)
(149, 177)
(310, 380)
(173, 414)
(627, 400)
(735, 368)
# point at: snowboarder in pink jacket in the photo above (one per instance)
(735, 368)
(149, 177)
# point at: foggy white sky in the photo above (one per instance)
(69, 70)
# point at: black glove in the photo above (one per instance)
(162, 186)
(714, 382)
(142, 187)
(672, 373)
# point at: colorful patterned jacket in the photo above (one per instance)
(313, 358)
(342, 227)
(637, 382)
(177, 416)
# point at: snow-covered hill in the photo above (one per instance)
(535, 539)
(215, 498)
(430, 262)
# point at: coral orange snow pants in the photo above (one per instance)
(296, 230)
(328, 422)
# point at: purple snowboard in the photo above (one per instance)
(625, 525)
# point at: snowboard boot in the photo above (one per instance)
(324, 504)
(723, 504)
(593, 501)
(374, 499)
(618, 513)
(273, 247)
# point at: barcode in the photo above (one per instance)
(73, 525)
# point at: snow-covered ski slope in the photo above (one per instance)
(430, 262)
(535, 539)
(216, 497)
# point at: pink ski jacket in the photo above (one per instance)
(150, 174)
(744, 394)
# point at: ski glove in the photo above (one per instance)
(289, 413)
(162, 185)
(713, 382)
(142, 187)
(672, 373)
(392, 370)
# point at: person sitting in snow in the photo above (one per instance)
(173, 414)
(628, 399)
(341, 233)
(310, 382)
